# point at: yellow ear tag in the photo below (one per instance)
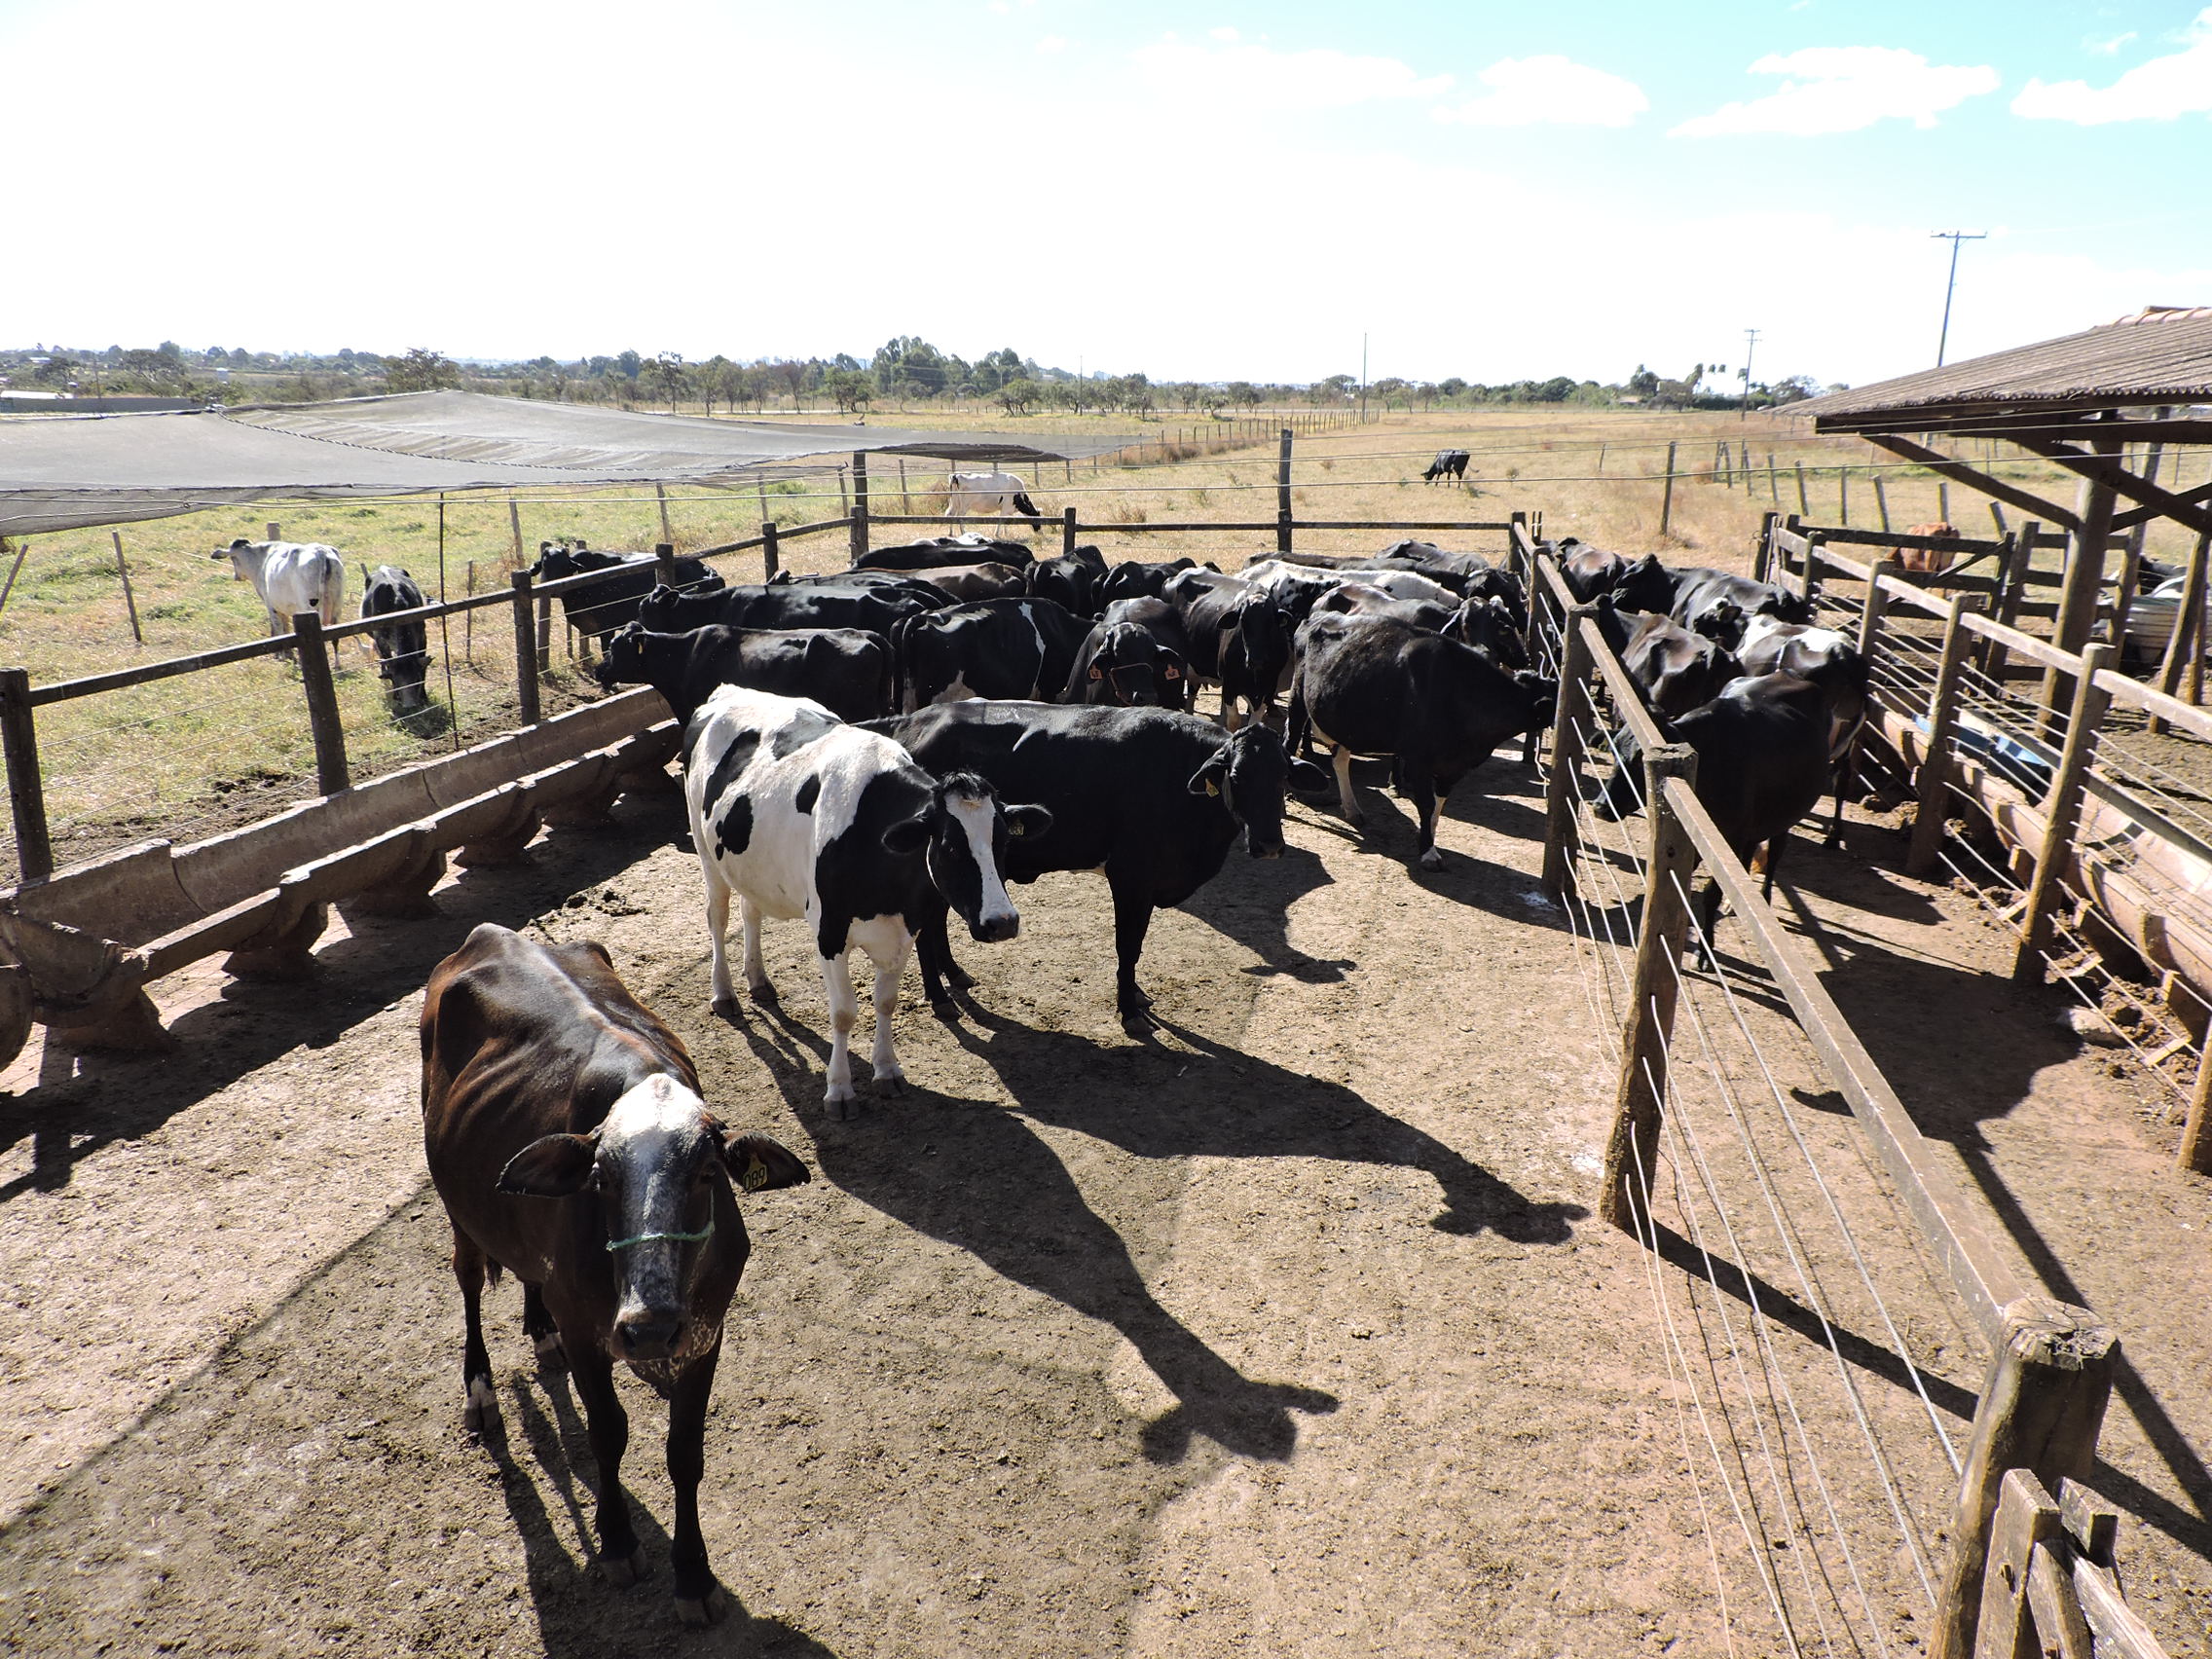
(1212, 787)
(756, 1175)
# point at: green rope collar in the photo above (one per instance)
(704, 1233)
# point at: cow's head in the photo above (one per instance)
(622, 657)
(658, 609)
(1721, 622)
(1645, 585)
(1134, 670)
(963, 834)
(554, 561)
(1257, 633)
(661, 1167)
(1784, 606)
(1488, 626)
(405, 670)
(1248, 774)
(236, 553)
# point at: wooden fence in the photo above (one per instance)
(2042, 1406)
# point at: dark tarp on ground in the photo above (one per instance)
(64, 472)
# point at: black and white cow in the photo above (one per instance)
(1714, 602)
(1153, 797)
(962, 583)
(1071, 580)
(972, 494)
(846, 669)
(596, 609)
(995, 648)
(1829, 660)
(783, 605)
(1132, 579)
(1239, 638)
(1448, 464)
(1135, 656)
(890, 584)
(1675, 669)
(1369, 686)
(799, 815)
(936, 550)
(403, 651)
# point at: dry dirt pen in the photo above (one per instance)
(1286, 1332)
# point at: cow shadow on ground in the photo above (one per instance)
(988, 1184)
(1249, 901)
(579, 1616)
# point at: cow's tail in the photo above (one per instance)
(332, 602)
(1027, 508)
(901, 684)
(887, 675)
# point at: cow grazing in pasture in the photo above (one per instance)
(567, 1138)
(785, 605)
(1448, 464)
(1762, 764)
(801, 815)
(290, 577)
(403, 654)
(1715, 603)
(995, 648)
(1151, 797)
(1132, 579)
(1070, 580)
(1828, 660)
(938, 550)
(1239, 636)
(1369, 686)
(1128, 659)
(1928, 561)
(973, 494)
(596, 608)
(846, 669)
(962, 583)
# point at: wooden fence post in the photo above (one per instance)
(2040, 1411)
(859, 505)
(1067, 531)
(1282, 494)
(1773, 481)
(129, 599)
(664, 563)
(26, 786)
(330, 772)
(22, 552)
(525, 648)
(771, 554)
(1562, 787)
(844, 499)
(514, 527)
(1666, 497)
(2195, 1155)
(1804, 502)
(1843, 495)
(2004, 1626)
(1763, 560)
(275, 530)
(2063, 809)
(1942, 716)
(469, 621)
(1882, 503)
(2188, 618)
(1633, 1144)
(660, 494)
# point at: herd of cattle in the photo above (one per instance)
(876, 749)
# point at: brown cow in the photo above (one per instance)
(1930, 561)
(568, 1140)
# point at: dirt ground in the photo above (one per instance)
(1285, 1332)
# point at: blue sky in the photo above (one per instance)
(1214, 191)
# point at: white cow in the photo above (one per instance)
(290, 577)
(972, 494)
(1275, 574)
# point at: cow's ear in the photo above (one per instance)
(554, 1167)
(907, 836)
(760, 1165)
(1028, 822)
(1206, 779)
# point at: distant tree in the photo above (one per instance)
(850, 388)
(1644, 382)
(907, 360)
(790, 375)
(1794, 389)
(1557, 389)
(421, 370)
(628, 364)
(55, 370)
(669, 378)
(845, 360)
(1018, 394)
(1452, 387)
(1243, 393)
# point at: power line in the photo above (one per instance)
(1954, 238)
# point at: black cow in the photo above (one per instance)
(1367, 686)
(567, 1138)
(846, 669)
(403, 648)
(1485, 624)
(1829, 660)
(1358, 599)
(1588, 570)
(995, 648)
(1153, 797)
(783, 605)
(962, 585)
(939, 550)
(1448, 464)
(889, 583)
(1715, 603)
(1134, 657)
(1677, 670)
(1239, 636)
(1133, 579)
(1762, 764)
(1071, 581)
(596, 608)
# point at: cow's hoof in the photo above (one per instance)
(960, 979)
(482, 1411)
(1433, 858)
(763, 993)
(551, 1355)
(946, 1008)
(703, 1611)
(891, 1085)
(624, 1570)
(840, 1106)
(725, 1008)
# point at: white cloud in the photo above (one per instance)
(1051, 46)
(1253, 77)
(2176, 83)
(2106, 48)
(1224, 33)
(1529, 91)
(1842, 88)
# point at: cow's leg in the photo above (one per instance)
(1132, 916)
(755, 970)
(844, 1010)
(933, 948)
(886, 941)
(718, 936)
(1342, 761)
(1773, 859)
(620, 1557)
(1420, 785)
(1707, 920)
(482, 1411)
(699, 1599)
(537, 1325)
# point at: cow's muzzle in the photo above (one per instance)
(648, 1336)
(995, 930)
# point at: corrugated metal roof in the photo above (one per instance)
(2159, 355)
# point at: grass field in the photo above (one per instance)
(187, 754)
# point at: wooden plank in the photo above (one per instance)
(1901, 538)
(2089, 1521)
(2060, 1629)
(2063, 808)
(1628, 696)
(1958, 1229)
(2197, 723)
(2025, 645)
(1936, 765)
(2117, 1632)
(62, 691)
(1973, 477)
(2025, 1516)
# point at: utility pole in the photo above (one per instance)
(1954, 238)
(1751, 341)
(1363, 377)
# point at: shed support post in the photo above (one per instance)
(330, 770)
(525, 646)
(1633, 1148)
(663, 563)
(1561, 789)
(1067, 531)
(2085, 574)
(26, 786)
(859, 505)
(1282, 494)
(2063, 810)
(1942, 716)
(2189, 623)
(2195, 1155)
(2040, 1411)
